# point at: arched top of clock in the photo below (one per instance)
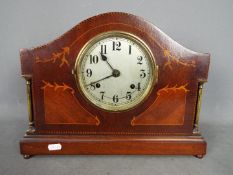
(69, 42)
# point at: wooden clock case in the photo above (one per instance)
(165, 123)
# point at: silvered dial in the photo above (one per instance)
(115, 71)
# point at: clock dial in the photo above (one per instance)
(115, 71)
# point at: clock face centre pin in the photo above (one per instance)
(116, 73)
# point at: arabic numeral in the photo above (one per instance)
(139, 58)
(94, 59)
(89, 72)
(130, 49)
(142, 74)
(115, 98)
(103, 49)
(102, 94)
(116, 45)
(138, 86)
(128, 96)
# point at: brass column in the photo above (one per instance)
(31, 128)
(198, 107)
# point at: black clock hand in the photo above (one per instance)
(104, 58)
(115, 72)
(100, 80)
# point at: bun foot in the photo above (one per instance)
(199, 156)
(25, 156)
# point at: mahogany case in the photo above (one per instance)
(166, 123)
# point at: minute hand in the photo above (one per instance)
(99, 80)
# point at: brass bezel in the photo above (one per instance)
(153, 80)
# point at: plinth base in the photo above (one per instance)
(112, 145)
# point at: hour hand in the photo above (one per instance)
(104, 58)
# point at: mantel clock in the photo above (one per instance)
(113, 84)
